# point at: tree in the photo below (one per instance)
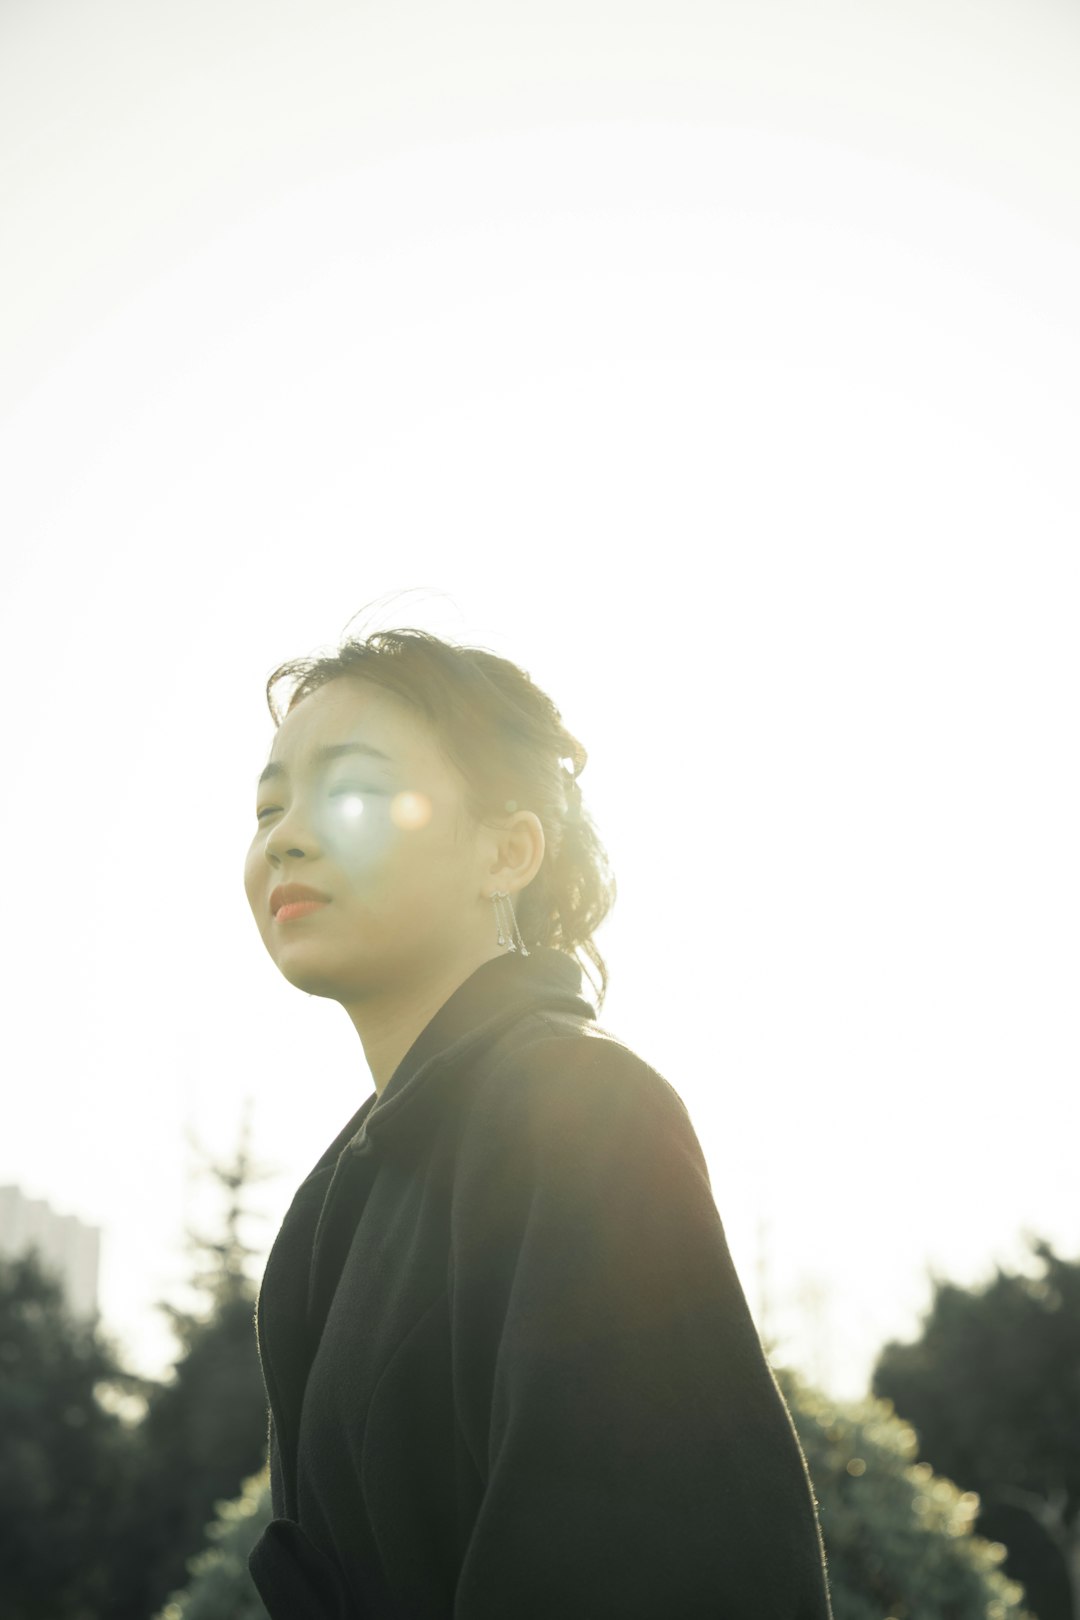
(205, 1430)
(65, 1459)
(992, 1386)
(898, 1539)
(220, 1587)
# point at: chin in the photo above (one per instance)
(313, 980)
(344, 983)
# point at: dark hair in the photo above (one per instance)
(507, 739)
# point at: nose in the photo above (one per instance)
(289, 836)
(295, 851)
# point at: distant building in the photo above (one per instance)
(67, 1246)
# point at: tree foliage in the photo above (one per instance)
(992, 1386)
(64, 1457)
(898, 1538)
(205, 1429)
(99, 1515)
(220, 1587)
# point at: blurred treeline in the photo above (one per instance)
(107, 1479)
(951, 1492)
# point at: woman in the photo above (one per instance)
(510, 1368)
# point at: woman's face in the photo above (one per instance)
(361, 805)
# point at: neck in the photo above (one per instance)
(389, 1021)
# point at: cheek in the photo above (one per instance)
(440, 865)
(364, 856)
(254, 874)
(409, 869)
(399, 847)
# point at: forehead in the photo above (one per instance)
(353, 710)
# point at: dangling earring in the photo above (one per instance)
(505, 919)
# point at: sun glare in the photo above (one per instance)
(410, 810)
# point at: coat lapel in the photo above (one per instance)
(281, 1314)
(310, 1251)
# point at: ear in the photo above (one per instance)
(516, 851)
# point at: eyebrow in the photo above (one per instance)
(330, 751)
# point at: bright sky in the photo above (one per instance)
(715, 362)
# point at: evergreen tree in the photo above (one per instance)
(65, 1458)
(992, 1386)
(220, 1587)
(205, 1430)
(899, 1539)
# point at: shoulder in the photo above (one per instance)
(573, 1135)
(567, 1084)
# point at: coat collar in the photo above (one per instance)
(496, 994)
(310, 1250)
(492, 998)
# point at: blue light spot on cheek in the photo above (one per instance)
(355, 825)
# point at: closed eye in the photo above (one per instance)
(356, 793)
(335, 793)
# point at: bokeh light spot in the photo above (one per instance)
(410, 810)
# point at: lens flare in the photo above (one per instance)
(410, 810)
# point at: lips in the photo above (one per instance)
(287, 894)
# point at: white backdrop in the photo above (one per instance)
(717, 363)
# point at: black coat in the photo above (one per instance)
(511, 1370)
